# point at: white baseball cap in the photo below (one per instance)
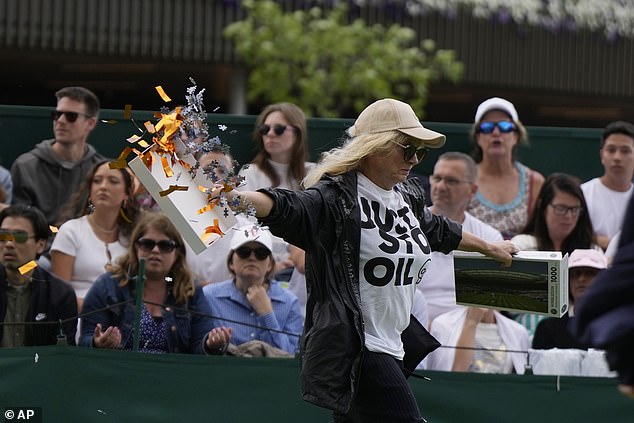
(496, 103)
(251, 233)
(393, 115)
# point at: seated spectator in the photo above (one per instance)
(27, 294)
(253, 297)
(175, 316)
(482, 337)
(97, 228)
(560, 223)
(583, 268)
(453, 185)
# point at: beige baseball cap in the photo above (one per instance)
(393, 115)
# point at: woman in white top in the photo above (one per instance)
(101, 220)
(281, 138)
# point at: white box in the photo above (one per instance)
(536, 282)
(182, 206)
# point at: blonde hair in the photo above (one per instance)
(128, 264)
(343, 159)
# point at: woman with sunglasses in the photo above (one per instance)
(507, 189)
(368, 238)
(281, 139)
(266, 311)
(96, 227)
(175, 317)
(560, 222)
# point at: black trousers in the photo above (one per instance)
(383, 396)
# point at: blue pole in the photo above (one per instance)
(139, 286)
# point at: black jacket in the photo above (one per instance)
(324, 220)
(51, 300)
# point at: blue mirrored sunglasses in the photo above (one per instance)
(504, 126)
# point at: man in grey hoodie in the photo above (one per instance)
(52, 171)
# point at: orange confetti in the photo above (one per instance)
(161, 92)
(173, 188)
(25, 268)
(53, 229)
(150, 127)
(206, 208)
(144, 144)
(214, 229)
(166, 167)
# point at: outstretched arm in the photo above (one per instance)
(501, 251)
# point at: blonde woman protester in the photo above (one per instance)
(368, 239)
(507, 189)
(175, 315)
(101, 216)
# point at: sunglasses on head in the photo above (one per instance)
(504, 126)
(164, 245)
(70, 116)
(261, 253)
(16, 236)
(410, 150)
(277, 129)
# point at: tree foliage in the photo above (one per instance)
(330, 67)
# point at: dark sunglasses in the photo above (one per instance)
(504, 126)
(261, 253)
(277, 129)
(164, 245)
(70, 116)
(16, 236)
(410, 150)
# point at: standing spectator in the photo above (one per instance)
(52, 171)
(453, 184)
(31, 295)
(607, 196)
(252, 296)
(583, 268)
(97, 228)
(281, 139)
(507, 189)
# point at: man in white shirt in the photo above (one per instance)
(607, 196)
(452, 187)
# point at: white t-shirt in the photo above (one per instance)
(438, 285)
(77, 238)
(394, 255)
(605, 206)
(256, 179)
